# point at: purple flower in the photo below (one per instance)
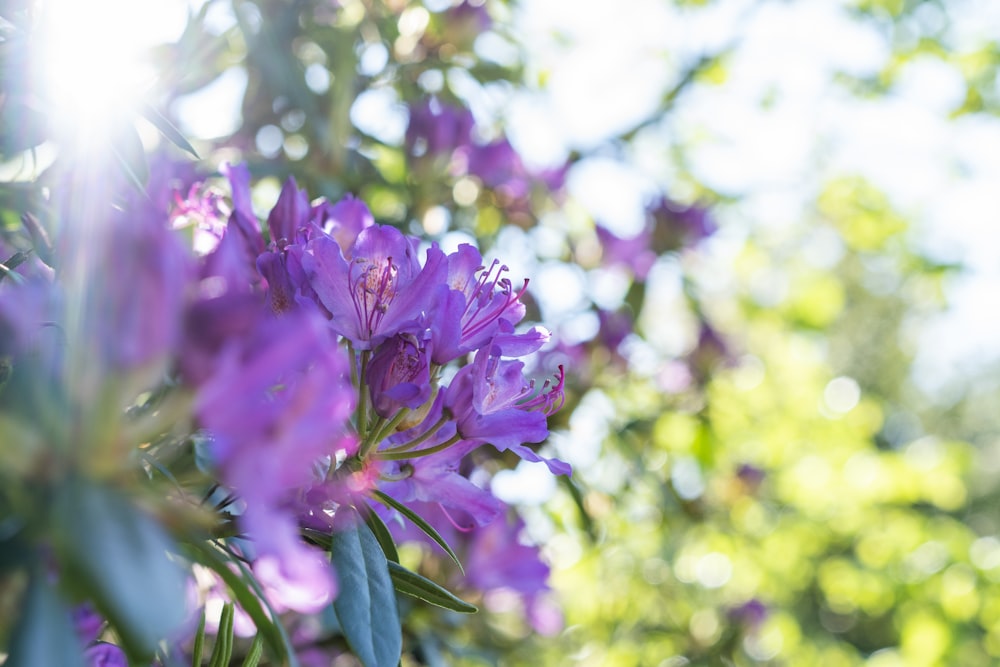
(344, 220)
(200, 210)
(438, 479)
(136, 321)
(498, 559)
(399, 375)
(464, 22)
(381, 290)
(277, 397)
(87, 622)
(751, 614)
(676, 226)
(437, 129)
(480, 304)
(633, 253)
(750, 475)
(710, 351)
(103, 654)
(492, 402)
(280, 288)
(168, 177)
(499, 166)
(291, 213)
(242, 218)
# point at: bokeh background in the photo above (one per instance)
(763, 233)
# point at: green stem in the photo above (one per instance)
(396, 455)
(387, 427)
(359, 382)
(420, 439)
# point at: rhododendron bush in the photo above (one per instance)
(317, 349)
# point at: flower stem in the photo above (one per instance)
(383, 429)
(420, 439)
(397, 455)
(362, 412)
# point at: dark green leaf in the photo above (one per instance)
(366, 604)
(44, 634)
(381, 533)
(413, 584)
(389, 501)
(167, 128)
(117, 555)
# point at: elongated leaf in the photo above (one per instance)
(366, 605)
(419, 522)
(199, 642)
(223, 649)
(247, 597)
(255, 653)
(117, 556)
(167, 128)
(382, 534)
(44, 634)
(415, 585)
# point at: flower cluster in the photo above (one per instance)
(321, 364)
(321, 346)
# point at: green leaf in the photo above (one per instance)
(199, 642)
(222, 652)
(366, 605)
(415, 585)
(255, 653)
(44, 634)
(381, 533)
(389, 501)
(248, 594)
(117, 555)
(167, 128)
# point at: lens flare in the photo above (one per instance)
(90, 61)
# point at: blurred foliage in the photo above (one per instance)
(793, 498)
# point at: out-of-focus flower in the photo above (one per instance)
(201, 212)
(274, 403)
(103, 654)
(750, 475)
(499, 167)
(437, 129)
(496, 556)
(136, 321)
(87, 622)
(750, 614)
(710, 351)
(344, 220)
(634, 253)
(676, 226)
(464, 22)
